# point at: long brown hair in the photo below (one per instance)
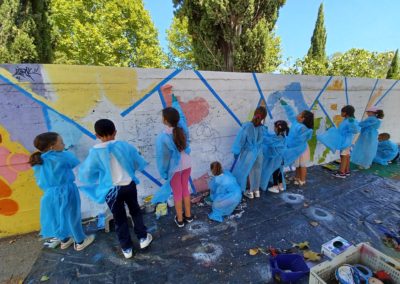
(171, 115)
(259, 115)
(216, 168)
(43, 143)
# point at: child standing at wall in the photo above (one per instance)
(225, 193)
(367, 144)
(387, 152)
(274, 147)
(247, 149)
(60, 206)
(341, 139)
(297, 151)
(111, 165)
(173, 161)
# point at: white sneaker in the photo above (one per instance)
(67, 244)
(257, 193)
(127, 253)
(85, 243)
(280, 187)
(249, 194)
(145, 242)
(273, 189)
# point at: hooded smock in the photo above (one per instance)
(168, 156)
(297, 139)
(225, 194)
(274, 147)
(60, 205)
(95, 171)
(367, 144)
(248, 146)
(387, 151)
(342, 137)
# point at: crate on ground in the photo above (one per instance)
(362, 254)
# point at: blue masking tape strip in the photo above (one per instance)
(162, 99)
(192, 185)
(386, 93)
(234, 164)
(46, 117)
(261, 94)
(217, 97)
(29, 95)
(163, 82)
(345, 90)
(327, 115)
(150, 177)
(321, 92)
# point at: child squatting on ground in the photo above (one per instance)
(388, 151)
(341, 138)
(173, 160)
(298, 152)
(111, 166)
(225, 193)
(247, 149)
(60, 206)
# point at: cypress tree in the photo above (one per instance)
(393, 72)
(318, 40)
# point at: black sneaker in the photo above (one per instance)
(339, 175)
(188, 219)
(179, 224)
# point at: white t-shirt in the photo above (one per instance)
(119, 176)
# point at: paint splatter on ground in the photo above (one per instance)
(208, 251)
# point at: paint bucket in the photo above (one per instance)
(288, 267)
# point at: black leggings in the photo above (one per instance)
(277, 177)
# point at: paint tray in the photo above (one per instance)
(288, 267)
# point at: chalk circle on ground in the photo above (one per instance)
(319, 213)
(292, 198)
(197, 228)
(207, 253)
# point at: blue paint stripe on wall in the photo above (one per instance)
(326, 114)
(386, 93)
(345, 90)
(150, 177)
(164, 104)
(217, 97)
(321, 92)
(192, 185)
(262, 94)
(160, 84)
(29, 95)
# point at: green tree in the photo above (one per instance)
(394, 71)
(360, 63)
(16, 28)
(180, 52)
(234, 35)
(318, 39)
(105, 32)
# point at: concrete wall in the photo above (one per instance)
(69, 99)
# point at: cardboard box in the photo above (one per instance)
(335, 247)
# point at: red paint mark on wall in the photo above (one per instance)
(195, 110)
(201, 183)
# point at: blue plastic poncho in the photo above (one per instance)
(297, 139)
(95, 171)
(225, 194)
(342, 137)
(248, 145)
(274, 147)
(365, 148)
(168, 156)
(60, 206)
(387, 151)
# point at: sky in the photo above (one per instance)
(370, 24)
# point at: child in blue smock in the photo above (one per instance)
(60, 206)
(387, 152)
(274, 147)
(298, 152)
(173, 160)
(341, 139)
(367, 144)
(225, 193)
(111, 167)
(247, 149)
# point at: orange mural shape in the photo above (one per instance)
(8, 207)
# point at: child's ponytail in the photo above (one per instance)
(259, 115)
(379, 114)
(282, 127)
(171, 116)
(36, 159)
